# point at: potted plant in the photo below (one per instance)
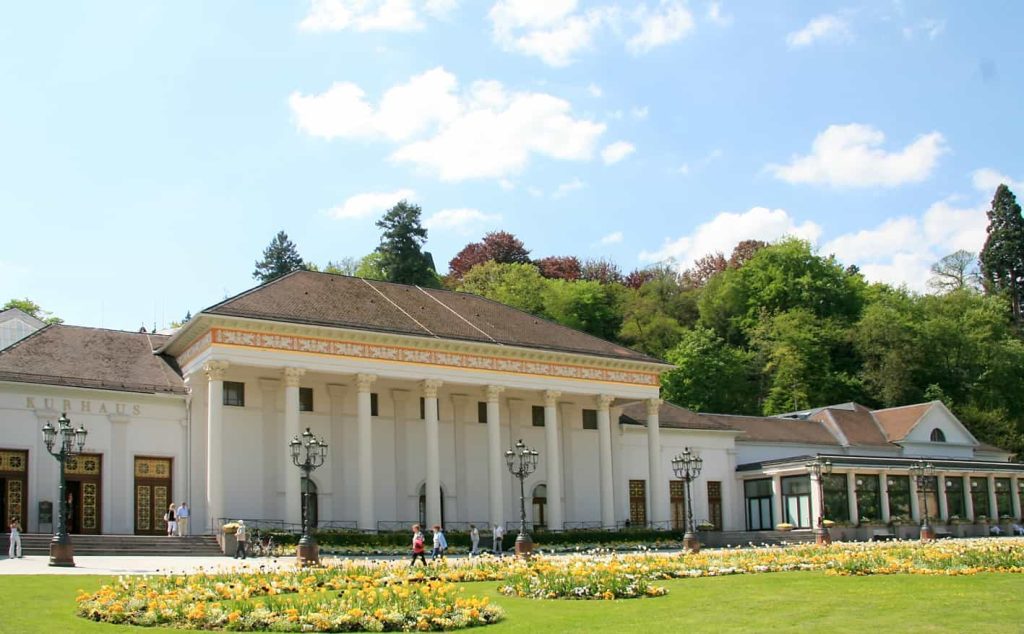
(705, 526)
(784, 527)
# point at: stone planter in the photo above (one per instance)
(229, 544)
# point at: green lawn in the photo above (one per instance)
(797, 601)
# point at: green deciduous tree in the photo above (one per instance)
(517, 285)
(1002, 258)
(710, 375)
(586, 305)
(401, 247)
(29, 307)
(279, 258)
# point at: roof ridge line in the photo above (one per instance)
(459, 315)
(390, 301)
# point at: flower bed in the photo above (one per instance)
(588, 578)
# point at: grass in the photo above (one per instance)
(781, 602)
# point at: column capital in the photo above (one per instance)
(215, 370)
(292, 376)
(551, 397)
(336, 390)
(430, 387)
(363, 381)
(653, 406)
(603, 401)
(268, 384)
(493, 392)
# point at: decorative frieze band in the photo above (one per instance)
(382, 352)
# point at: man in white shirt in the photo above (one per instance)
(499, 535)
(182, 515)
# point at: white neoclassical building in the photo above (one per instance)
(418, 393)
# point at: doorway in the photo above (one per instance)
(82, 476)
(153, 494)
(13, 487)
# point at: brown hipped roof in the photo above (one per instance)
(898, 421)
(326, 299)
(671, 417)
(75, 356)
(856, 424)
(772, 429)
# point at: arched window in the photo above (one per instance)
(938, 436)
(308, 486)
(423, 506)
(540, 503)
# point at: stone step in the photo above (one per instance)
(113, 545)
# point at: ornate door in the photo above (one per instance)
(152, 494)
(638, 503)
(13, 487)
(83, 475)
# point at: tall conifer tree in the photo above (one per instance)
(1002, 259)
(401, 254)
(279, 258)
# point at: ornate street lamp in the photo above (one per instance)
(521, 462)
(70, 443)
(308, 552)
(817, 469)
(922, 473)
(687, 466)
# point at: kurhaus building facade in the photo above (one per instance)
(418, 393)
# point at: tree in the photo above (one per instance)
(402, 257)
(560, 267)
(710, 375)
(497, 246)
(744, 251)
(279, 258)
(516, 285)
(586, 305)
(1002, 258)
(601, 270)
(954, 272)
(371, 267)
(29, 307)
(704, 269)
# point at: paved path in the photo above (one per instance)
(102, 565)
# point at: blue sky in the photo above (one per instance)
(150, 151)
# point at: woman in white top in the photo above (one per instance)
(172, 520)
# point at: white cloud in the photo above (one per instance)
(463, 221)
(369, 204)
(684, 169)
(670, 22)
(557, 31)
(715, 15)
(565, 189)
(372, 15)
(726, 230)
(612, 238)
(930, 28)
(852, 156)
(823, 27)
(484, 131)
(595, 90)
(639, 113)
(703, 162)
(506, 184)
(617, 151)
(987, 180)
(536, 192)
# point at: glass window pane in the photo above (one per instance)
(837, 498)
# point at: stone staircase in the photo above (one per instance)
(122, 545)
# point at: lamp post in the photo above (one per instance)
(687, 466)
(307, 553)
(71, 443)
(922, 473)
(521, 462)
(817, 469)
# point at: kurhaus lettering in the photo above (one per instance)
(82, 406)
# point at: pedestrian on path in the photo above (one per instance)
(240, 538)
(15, 550)
(499, 536)
(440, 543)
(474, 540)
(417, 546)
(183, 519)
(171, 518)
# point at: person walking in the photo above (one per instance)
(183, 515)
(14, 552)
(439, 542)
(171, 518)
(240, 537)
(499, 536)
(474, 540)
(417, 546)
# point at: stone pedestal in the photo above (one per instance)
(927, 533)
(62, 553)
(524, 546)
(822, 536)
(691, 543)
(307, 553)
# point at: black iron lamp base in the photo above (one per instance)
(307, 553)
(524, 546)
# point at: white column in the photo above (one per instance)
(883, 491)
(1015, 496)
(968, 498)
(993, 507)
(553, 461)
(433, 488)
(940, 494)
(656, 479)
(122, 474)
(367, 519)
(851, 492)
(495, 457)
(817, 483)
(915, 507)
(214, 440)
(780, 515)
(292, 476)
(604, 430)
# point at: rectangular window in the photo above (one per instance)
(1003, 503)
(374, 404)
(305, 399)
(796, 500)
(234, 394)
(481, 412)
(979, 495)
(677, 502)
(931, 498)
(590, 419)
(758, 496)
(638, 503)
(715, 504)
(955, 498)
(869, 506)
(899, 497)
(423, 408)
(837, 497)
(538, 416)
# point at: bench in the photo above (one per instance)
(882, 535)
(943, 534)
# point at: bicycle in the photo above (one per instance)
(262, 545)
